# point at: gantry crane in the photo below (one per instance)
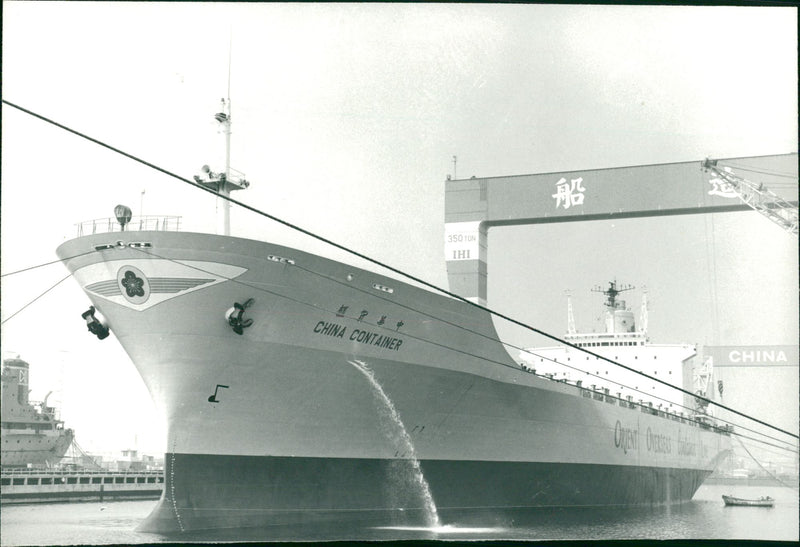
(757, 196)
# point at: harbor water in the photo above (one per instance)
(705, 517)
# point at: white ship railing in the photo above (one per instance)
(136, 224)
(603, 394)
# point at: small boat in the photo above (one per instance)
(760, 502)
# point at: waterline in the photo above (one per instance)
(445, 529)
(396, 432)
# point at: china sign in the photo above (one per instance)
(753, 356)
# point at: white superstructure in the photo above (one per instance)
(623, 343)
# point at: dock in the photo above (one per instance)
(48, 486)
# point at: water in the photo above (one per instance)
(705, 517)
(396, 432)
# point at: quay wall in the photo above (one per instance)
(43, 486)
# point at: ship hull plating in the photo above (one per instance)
(279, 421)
(268, 491)
(47, 449)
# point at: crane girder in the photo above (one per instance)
(757, 196)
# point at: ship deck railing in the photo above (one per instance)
(136, 224)
(603, 394)
(596, 337)
(65, 472)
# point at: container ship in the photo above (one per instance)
(298, 389)
(32, 434)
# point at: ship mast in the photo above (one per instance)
(228, 180)
(570, 315)
(613, 306)
(611, 293)
(643, 314)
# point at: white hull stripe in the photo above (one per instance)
(140, 284)
(157, 285)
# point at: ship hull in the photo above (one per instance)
(269, 491)
(322, 407)
(23, 449)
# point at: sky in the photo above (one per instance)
(346, 118)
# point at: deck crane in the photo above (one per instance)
(701, 378)
(757, 196)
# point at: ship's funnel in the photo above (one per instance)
(624, 321)
(19, 370)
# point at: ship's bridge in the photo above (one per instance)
(622, 343)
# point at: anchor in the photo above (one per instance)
(235, 316)
(96, 325)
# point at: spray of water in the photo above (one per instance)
(396, 432)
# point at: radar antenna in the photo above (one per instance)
(612, 292)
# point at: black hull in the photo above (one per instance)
(273, 491)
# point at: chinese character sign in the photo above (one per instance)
(569, 193)
(722, 188)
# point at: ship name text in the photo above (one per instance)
(358, 335)
(330, 329)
